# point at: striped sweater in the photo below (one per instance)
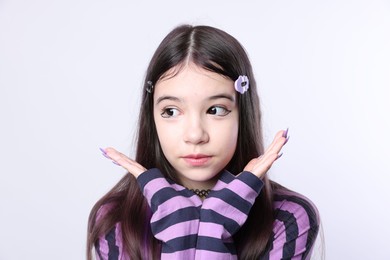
(190, 228)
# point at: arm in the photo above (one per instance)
(226, 210)
(175, 219)
(223, 213)
(175, 210)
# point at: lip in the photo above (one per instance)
(197, 159)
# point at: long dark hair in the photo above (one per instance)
(216, 51)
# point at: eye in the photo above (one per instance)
(218, 111)
(169, 112)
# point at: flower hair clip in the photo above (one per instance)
(242, 84)
(149, 87)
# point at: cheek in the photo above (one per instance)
(226, 136)
(166, 135)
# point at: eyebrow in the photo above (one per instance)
(162, 98)
(219, 96)
(229, 97)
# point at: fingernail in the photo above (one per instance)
(285, 142)
(104, 153)
(280, 155)
(114, 162)
(285, 133)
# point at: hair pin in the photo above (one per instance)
(149, 87)
(241, 84)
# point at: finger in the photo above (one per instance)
(265, 162)
(276, 146)
(259, 166)
(282, 134)
(118, 158)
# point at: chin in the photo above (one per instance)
(199, 175)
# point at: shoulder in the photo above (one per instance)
(294, 204)
(296, 218)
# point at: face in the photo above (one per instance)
(196, 117)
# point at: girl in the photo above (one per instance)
(198, 188)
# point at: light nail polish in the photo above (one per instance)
(285, 133)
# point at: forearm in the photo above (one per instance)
(175, 215)
(223, 213)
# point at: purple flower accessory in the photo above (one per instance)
(149, 87)
(242, 84)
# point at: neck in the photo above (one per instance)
(199, 185)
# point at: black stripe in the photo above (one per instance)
(215, 245)
(178, 216)
(251, 180)
(179, 244)
(148, 176)
(113, 250)
(167, 193)
(97, 248)
(226, 177)
(291, 230)
(232, 199)
(312, 215)
(208, 215)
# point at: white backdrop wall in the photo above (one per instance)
(70, 77)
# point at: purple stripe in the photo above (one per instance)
(102, 211)
(298, 196)
(103, 247)
(224, 209)
(280, 238)
(302, 220)
(214, 230)
(243, 190)
(119, 242)
(185, 254)
(103, 243)
(219, 185)
(203, 254)
(177, 187)
(179, 230)
(173, 204)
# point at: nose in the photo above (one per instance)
(195, 131)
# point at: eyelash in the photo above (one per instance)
(225, 111)
(166, 110)
(212, 110)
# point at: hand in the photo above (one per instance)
(260, 165)
(122, 160)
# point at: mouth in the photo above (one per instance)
(197, 159)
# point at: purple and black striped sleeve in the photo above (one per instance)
(175, 215)
(190, 229)
(223, 213)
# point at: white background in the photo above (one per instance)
(70, 77)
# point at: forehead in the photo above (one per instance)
(193, 81)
